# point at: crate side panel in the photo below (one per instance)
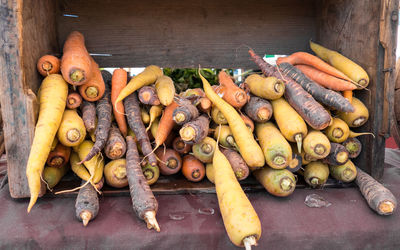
(188, 33)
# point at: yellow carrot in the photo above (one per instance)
(165, 90)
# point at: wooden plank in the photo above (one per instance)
(19, 55)
(188, 33)
(349, 27)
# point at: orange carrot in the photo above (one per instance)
(326, 80)
(59, 156)
(74, 100)
(48, 64)
(94, 89)
(118, 82)
(311, 60)
(348, 94)
(76, 63)
(230, 92)
(166, 124)
(249, 123)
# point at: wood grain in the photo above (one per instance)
(188, 33)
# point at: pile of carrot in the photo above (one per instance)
(289, 121)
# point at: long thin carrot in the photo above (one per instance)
(94, 89)
(118, 82)
(48, 64)
(166, 124)
(324, 79)
(230, 92)
(308, 59)
(76, 64)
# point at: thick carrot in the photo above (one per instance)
(346, 172)
(240, 219)
(193, 169)
(339, 131)
(170, 161)
(118, 82)
(53, 175)
(144, 203)
(88, 110)
(87, 204)
(325, 96)
(181, 146)
(258, 109)
(248, 147)
(278, 182)
(144, 115)
(165, 125)
(74, 100)
(53, 96)
(72, 129)
(230, 92)
(238, 165)
(326, 80)
(378, 197)
(185, 112)
(224, 136)
(148, 96)
(48, 64)
(337, 156)
(217, 116)
(210, 172)
(103, 110)
(115, 173)
(316, 144)
(195, 130)
(93, 89)
(204, 150)
(151, 173)
(59, 156)
(147, 77)
(95, 165)
(311, 60)
(316, 174)
(353, 146)
(155, 111)
(76, 62)
(115, 147)
(305, 105)
(357, 118)
(269, 88)
(165, 90)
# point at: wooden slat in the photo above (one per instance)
(24, 34)
(188, 33)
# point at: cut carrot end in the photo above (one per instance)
(56, 161)
(47, 66)
(148, 174)
(342, 157)
(195, 174)
(319, 149)
(120, 172)
(179, 117)
(206, 148)
(92, 92)
(187, 133)
(386, 207)
(263, 114)
(279, 160)
(337, 133)
(286, 184)
(348, 175)
(77, 75)
(73, 135)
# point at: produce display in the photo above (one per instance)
(293, 121)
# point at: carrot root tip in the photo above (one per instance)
(299, 139)
(85, 216)
(249, 241)
(150, 218)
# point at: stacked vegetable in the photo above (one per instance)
(291, 120)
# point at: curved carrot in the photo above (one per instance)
(308, 59)
(231, 93)
(48, 64)
(118, 82)
(324, 79)
(76, 63)
(166, 124)
(94, 89)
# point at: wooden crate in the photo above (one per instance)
(185, 34)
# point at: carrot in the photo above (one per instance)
(53, 175)
(326, 80)
(249, 123)
(59, 156)
(148, 96)
(316, 144)
(103, 110)
(378, 197)
(339, 131)
(181, 146)
(225, 137)
(115, 173)
(316, 174)
(305, 158)
(88, 110)
(346, 172)
(259, 110)
(313, 61)
(277, 150)
(144, 203)
(185, 112)
(144, 115)
(151, 173)
(147, 77)
(295, 163)
(72, 129)
(357, 118)
(337, 156)
(353, 146)
(78, 168)
(240, 219)
(170, 161)
(217, 116)
(155, 111)
(195, 130)
(74, 100)
(131, 104)
(204, 104)
(343, 64)
(95, 165)
(305, 105)
(118, 82)
(76, 63)
(165, 90)
(325, 96)
(248, 147)
(87, 204)
(193, 169)
(204, 150)
(53, 96)
(54, 143)
(290, 123)
(165, 125)
(115, 146)
(48, 64)
(93, 89)
(238, 165)
(230, 92)
(278, 182)
(269, 88)
(210, 172)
